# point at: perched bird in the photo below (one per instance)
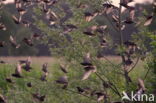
(18, 71)
(2, 62)
(86, 90)
(44, 76)
(62, 80)
(80, 90)
(27, 65)
(29, 84)
(39, 97)
(13, 42)
(87, 60)
(44, 67)
(103, 43)
(45, 72)
(9, 80)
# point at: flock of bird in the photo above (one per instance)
(89, 68)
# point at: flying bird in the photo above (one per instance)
(13, 42)
(88, 71)
(63, 68)
(2, 99)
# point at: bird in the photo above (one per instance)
(16, 20)
(38, 97)
(18, 71)
(91, 31)
(88, 71)
(45, 72)
(21, 11)
(2, 62)
(62, 80)
(90, 16)
(141, 84)
(103, 42)
(2, 27)
(87, 60)
(9, 80)
(148, 20)
(2, 43)
(63, 68)
(28, 41)
(27, 65)
(13, 42)
(100, 96)
(44, 67)
(44, 76)
(85, 90)
(2, 99)
(29, 84)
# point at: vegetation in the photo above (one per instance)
(76, 38)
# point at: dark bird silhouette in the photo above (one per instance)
(2, 62)
(2, 43)
(29, 84)
(9, 80)
(103, 43)
(39, 97)
(28, 41)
